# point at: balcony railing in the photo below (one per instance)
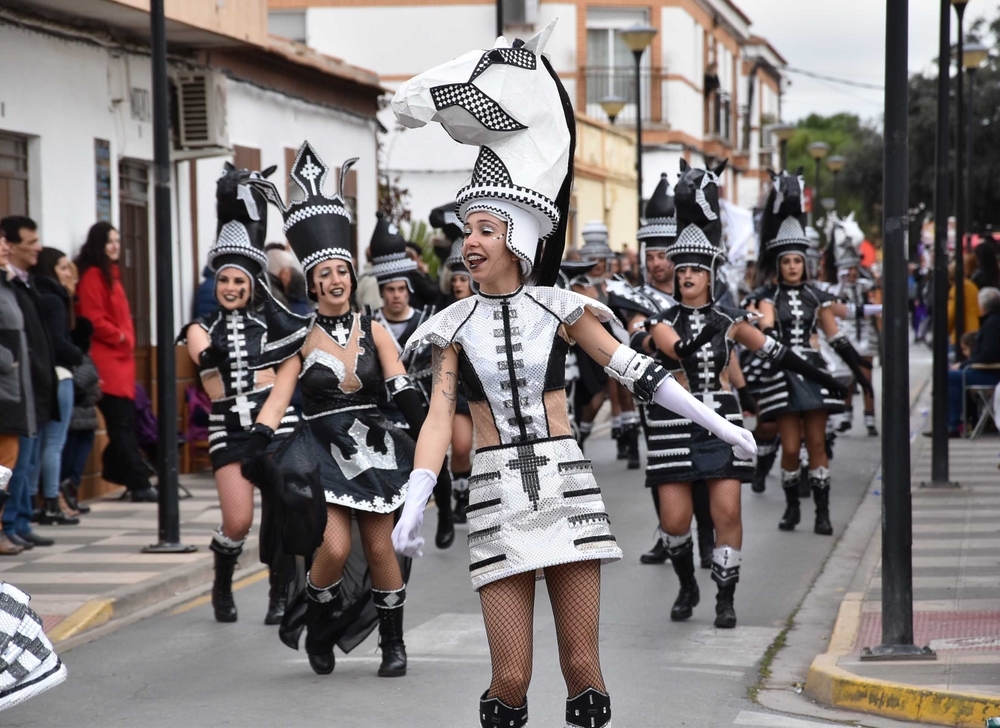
(720, 115)
(606, 81)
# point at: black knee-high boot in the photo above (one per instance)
(703, 518)
(792, 515)
(321, 606)
(681, 550)
(227, 552)
(390, 631)
(445, 535)
(725, 573)
(819, 481)
(767, 451)
(494, 713)
(657, 554)
(589, 709)
(630, 433)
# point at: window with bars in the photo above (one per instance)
(13, 175)
(610, 70)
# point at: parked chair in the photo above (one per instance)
(982, 397)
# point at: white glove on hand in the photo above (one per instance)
(406, 538)
(672, 396)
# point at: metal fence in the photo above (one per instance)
(618, 81)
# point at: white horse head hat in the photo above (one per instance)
(508, 101)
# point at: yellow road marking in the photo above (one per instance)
(207, 598)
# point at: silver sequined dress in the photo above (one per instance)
(533, 499)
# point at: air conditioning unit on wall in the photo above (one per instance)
(200, 98)
(520, 12)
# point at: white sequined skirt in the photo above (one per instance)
(533, 506)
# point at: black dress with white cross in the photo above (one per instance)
(796, 314)
(681, 451)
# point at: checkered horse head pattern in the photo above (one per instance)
(506, 100)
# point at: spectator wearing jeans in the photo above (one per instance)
(101, 299)
(53, 275)
(16, 398)
(83, 422)
(986, 351)
(24, 246)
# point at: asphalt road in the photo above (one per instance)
(181, 668)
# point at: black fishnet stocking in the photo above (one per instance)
(679, 502)
(235, 500)
(793, 429)
(726, 508)
(328, 562)
(376, 540)
(508, 613)
(575, 593)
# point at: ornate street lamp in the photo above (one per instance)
(817, 150)
(835, 164)
(960, 185)
(638, 37)
(612, 106)
(973, 57)
(783, 132)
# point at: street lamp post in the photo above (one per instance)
(612, 106)
(939, 376)
(835, 164)
(783, 132)
(974, 55)
(638, 37)
(959, 187)
(817, 150)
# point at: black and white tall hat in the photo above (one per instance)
(455, 262)
(660, 228)
(242, 222)
(791, 238)
(390, 262)
(595, 242)
(318, 227)
(509, 101)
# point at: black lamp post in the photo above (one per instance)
(959, 186)
(835, 164)
(637, 38)
(974, 55)
(817, 150)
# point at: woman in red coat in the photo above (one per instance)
(101, 299)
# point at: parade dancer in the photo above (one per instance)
(701, 335)
(534, 504)
(792, 308)
(345, 462)
(393, 270)
(30, 665)
(236, 366)
(843, 269)
(655, 237)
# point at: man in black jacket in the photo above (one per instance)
(985, 352)
(22, 236)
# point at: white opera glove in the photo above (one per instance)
(672, 396)
(406, 538)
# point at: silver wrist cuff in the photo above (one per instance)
(636, 372)
(398, 383)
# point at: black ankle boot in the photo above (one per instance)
(589, 709)
(321, 606)
(52, 515)
(792, 515)
(870, 424)
(445, 535)
(682, 557)
(277, 598)
(631, 436)
(460, 489)
(821, 496)
(725, 573)
(494, 713)
(620, 443)
(706, 543)
(71, 493)
(222, 588)
(766, 454)
(390, 631)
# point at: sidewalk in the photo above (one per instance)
(96, 570)
(956, 607)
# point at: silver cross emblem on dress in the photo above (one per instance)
(365, 457)
(243, 407)
(340, 334)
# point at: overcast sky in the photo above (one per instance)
(844, 38)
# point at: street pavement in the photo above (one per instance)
(181, 668)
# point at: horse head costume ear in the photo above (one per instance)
(774, 175)
(684, 166)
(720, 167)
(800, 171)
(509, 101)
(241, 211)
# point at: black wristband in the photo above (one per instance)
(212, 357)
(413, 408)
(747, 403)
(684, 349)
(638, 339)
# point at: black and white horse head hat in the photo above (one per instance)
(791, 238)
(241, 211)
(318, 227)
(697, 243)
(509, 101)
(595, 242)
(390, 262)
(660, 228)
(445, 219)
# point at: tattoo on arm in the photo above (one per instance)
(445, 382)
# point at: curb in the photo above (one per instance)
(831, 684)
(131, 598)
